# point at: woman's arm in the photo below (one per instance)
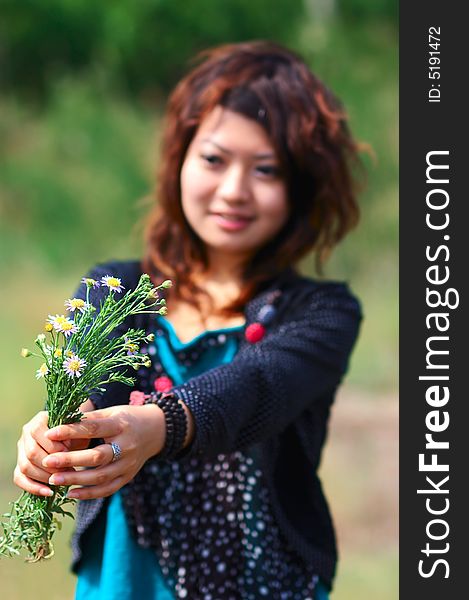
(269, 384)
(257, 395)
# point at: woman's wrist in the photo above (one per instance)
(154, 434)
(169, 423)
(177, 424)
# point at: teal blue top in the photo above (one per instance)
(213, 356)
(114, 565)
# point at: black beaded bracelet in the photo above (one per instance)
(175, 419)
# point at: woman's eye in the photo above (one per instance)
(211, 159)
(268, 170)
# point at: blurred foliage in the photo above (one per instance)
(140, 46)
(361, 10)
(64, 171)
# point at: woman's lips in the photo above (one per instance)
(231, 222)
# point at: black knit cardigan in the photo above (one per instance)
(276, 392)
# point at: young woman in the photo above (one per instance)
(208, 488)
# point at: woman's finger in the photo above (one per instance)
(28, 469)
(88, 428)
(36, 429)
(31, 450)
(97, 491)
(89, 477)
(95, 457)
(30, 485)
(31, 459)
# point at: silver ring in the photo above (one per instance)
(116, 451)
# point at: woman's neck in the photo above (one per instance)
(222, 280)
(223, 267)
(223, 289)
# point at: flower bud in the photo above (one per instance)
(25, 352)
(153, 294)
(151, 337)
(147, 363)
(90, 282)
(48, 327)
(167, 284)
(41, 338)
(163, 311)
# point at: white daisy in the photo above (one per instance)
(63, 324)
(74, 304)
(42, 371)
(74, 366)
(113, 283)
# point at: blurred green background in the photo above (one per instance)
(82, 90)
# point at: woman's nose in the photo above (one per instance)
(234, 186)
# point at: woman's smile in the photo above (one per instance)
(231, 221)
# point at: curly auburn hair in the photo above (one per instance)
(307, 126)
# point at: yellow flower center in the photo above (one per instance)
(74, 365)
(113, 282)
(58, 353)
(77, 303)
(43, 369)
(66, 325)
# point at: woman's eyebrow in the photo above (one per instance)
(261, 156)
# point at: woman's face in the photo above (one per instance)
(232, 190)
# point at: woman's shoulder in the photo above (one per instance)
(307, 305)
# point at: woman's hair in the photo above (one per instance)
(307, 127)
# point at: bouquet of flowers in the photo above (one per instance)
(81, 353)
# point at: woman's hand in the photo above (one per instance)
(138, 430)
(33, 447)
